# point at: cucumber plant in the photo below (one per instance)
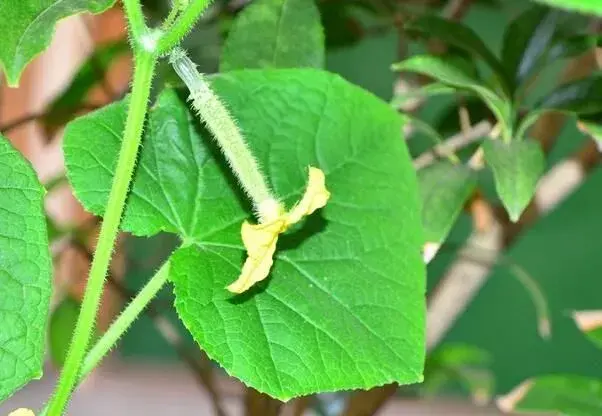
(292, 181)
(303, 227)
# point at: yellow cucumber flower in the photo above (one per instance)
(260, 239)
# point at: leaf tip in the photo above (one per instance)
(515, 212)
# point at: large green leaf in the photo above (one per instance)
(517, 167)
(458, 35)
(65, 105)
(565, 394)
(27, 26)
(582, 6)
(25, 272)
(275, 34)
(526, 40)
(452, 75)
(444, 188)
(344, 307)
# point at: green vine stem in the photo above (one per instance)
(146, 44)
(182, 26)
(122, 323)
(227, 134)
(125, 320)
(144, 67)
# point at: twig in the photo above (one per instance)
(36, 116)
(453, 144)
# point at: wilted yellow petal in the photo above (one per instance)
(315, 197)
(22, 412)
(260, 240)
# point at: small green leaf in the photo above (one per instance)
(344, 306)
(565, 394)
(65, 106)
(27, 28)
(446, 73)
(61, 327)
(25, 272)
(458, 35)
(517, 167)
(526, 40)
(572, 46)
(579, 97)
(590, 323)
(459, 364)
(581, 6)
(275, 34)
(444, 189)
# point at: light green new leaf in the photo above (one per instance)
(27, 27)
(458, 35)
(581, 6)
(444, 188)
(563, 394)
(25, 272)
(275, 34)
(452, 75)
(344, 306)
(517, 167)
(65, 106)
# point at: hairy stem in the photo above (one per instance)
(226, 132)
(182, 26)
(144, 68)
(125, 320)
(133, 10)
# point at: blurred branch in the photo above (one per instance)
(453, 144)
(36, 116)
